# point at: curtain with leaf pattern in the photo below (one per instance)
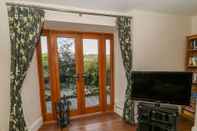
(124, 34)
(25, 24)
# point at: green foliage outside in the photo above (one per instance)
(68, 75)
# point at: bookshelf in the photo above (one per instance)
(191, 65)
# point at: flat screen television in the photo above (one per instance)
(162, 87)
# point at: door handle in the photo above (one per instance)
(84, 75)
(76, 76)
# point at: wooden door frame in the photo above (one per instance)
(56, 34)
(46, 116)
(101, 62)
(112, 67)
(54, 69)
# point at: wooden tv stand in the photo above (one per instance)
(153, 117)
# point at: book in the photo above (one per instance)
(194, 44)
(194, 77)
(194, 61)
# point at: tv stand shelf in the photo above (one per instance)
(154, 118)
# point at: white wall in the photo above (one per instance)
(31, 97)
(120, 79)
(65, 26)
(76, 18)
(194, 25)
(159, 41)
(4, 68)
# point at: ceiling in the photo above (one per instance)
(185, 7)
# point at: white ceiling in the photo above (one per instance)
(186, 7)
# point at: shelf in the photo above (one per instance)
(194, 37)
(192, 50)
(191, 66)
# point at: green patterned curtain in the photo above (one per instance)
(124, 33)
(25, 25)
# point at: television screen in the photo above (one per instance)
(163, 87)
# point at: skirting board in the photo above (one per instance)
(119, 110)
(36, 125)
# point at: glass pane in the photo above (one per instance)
(45, 64)
(108, 72)
(66, 58)
(90, 52)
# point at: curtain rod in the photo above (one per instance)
(65, 10)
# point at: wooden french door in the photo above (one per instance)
(78, 66)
